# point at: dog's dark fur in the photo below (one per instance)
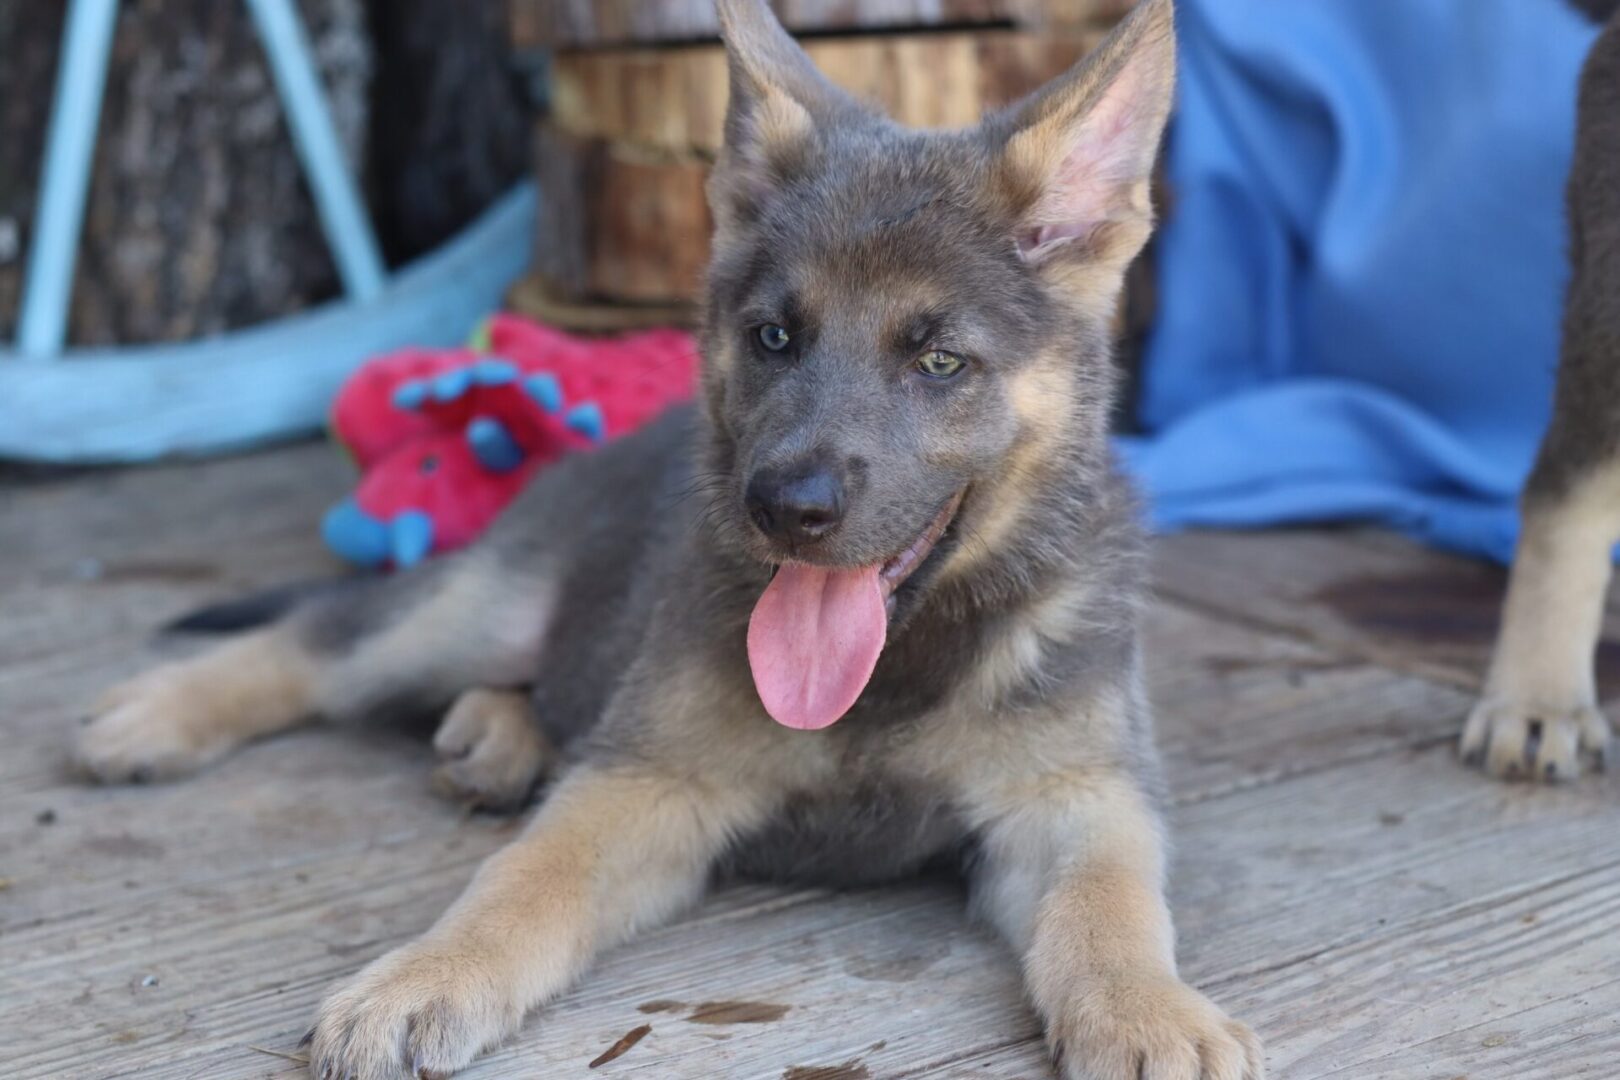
(1003, 731)
(1540, 715)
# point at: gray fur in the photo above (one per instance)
(1585, 430)
(1538, 715)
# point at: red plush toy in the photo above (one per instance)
(446, 438)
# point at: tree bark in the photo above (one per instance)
(450, 119)
(198, 220)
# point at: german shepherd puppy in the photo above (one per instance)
(1539, 714)
(872, 604)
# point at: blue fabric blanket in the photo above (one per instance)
(1361, 276)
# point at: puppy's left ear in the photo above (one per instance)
(1077, 160)
(777, 100)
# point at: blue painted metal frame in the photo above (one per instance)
(137, 403)
(75, 115)
(343, 214)
(263, 383)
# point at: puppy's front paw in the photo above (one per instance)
(1516, 740)
(492, 749)
(420, 1011)
(150, 728)
(1162, 1029)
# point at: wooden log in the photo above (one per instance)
(620, 222)
(534, 298)
(675, 99)
(625, 153)
(579, 24)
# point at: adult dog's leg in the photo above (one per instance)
(413, 641)
(1540, 708)
(612, 850)
(1073, 875)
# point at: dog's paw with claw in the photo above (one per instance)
(1515, 740)
(1157, 1028)
(419, 1011)
(150, 728)
(493, 751)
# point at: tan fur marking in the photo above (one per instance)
(178, 717)
(1042, 397)
(1094, 285)
(611, 851)
(1018, 653)
(1541, 671)
(1074, 871)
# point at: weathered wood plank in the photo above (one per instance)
(1238, 708)
(1297, 907)
(1470, 972)
(1374, 908)
(1566, 1037)
(1362, 592)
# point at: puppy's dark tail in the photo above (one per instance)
(1598, 10)
(259, 609)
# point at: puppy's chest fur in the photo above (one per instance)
(872, 823)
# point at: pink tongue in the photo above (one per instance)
(813, 641)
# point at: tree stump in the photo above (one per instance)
(198, 219)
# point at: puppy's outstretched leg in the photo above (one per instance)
(1540, 709)
(613, 849)
(414, 641)
(1073, 875)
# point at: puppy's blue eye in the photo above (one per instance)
(939, 364)
(773, 337)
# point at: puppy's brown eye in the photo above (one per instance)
(773, 337)
(939, 364)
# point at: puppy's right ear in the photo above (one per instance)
(1077, 156)
(777, 100)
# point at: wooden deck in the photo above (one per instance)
(1374, 909)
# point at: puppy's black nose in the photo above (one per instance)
(797, 504)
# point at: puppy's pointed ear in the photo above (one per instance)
(1077, 160)
(777, 100)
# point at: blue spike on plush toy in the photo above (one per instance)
(493, 445)
(544, 388)
(451, 384)
(410, 395)
(356, 535)
(586, 418)
(493, 371)
(411, 538)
